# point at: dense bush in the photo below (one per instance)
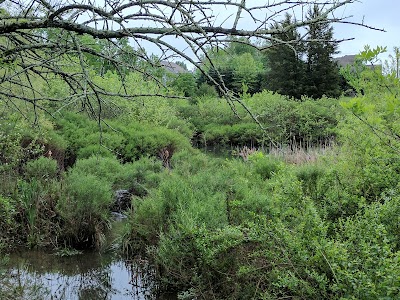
(8, 223)
(186, 84)
(211, 230)
(365, 257)
(42, 169)
(36, 202)
(232, 135)
(85, 138)
(144, 139)
(84, 209)
(105, 168)
(128, 141)
(137, 177)
(140, 176)
(307, 122)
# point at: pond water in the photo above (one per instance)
(85, 276)
(89, 275)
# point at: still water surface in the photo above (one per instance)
(90, 275)
(87, 276)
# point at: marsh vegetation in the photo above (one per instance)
(299, 197)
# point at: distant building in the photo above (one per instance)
(173, 67)
(343, 61)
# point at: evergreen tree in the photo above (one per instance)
(284, 60)
(322, 74)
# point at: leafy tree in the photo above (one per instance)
(237, 65)
(371, 131)
(322, 72)
(185, 83)
(392, 65)
(247, 72)
(284, 55)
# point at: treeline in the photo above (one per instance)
(291, 69)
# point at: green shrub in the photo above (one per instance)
(85, 138)
(264, 165)
(36, 201)
(140, 176)
(285, 120)
(93, 150)
(315, 120)
(12, 129)
(42, 169)
(308, 121)
(272, 250)
(104, 168)
(189, 161)
(389, 215)
(185, 83)
(209, 110)
(364, 259)
(144, 139)
(310, 175)
(84, 209)
(211, 220)
(8, 224)
(232, 135)
(182, 126)
(336, 197)
(206, 90)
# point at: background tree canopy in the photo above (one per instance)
(43, 43)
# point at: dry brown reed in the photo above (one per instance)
(293, 152)
(301, 153)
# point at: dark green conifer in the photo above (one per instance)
(322, 72)
(286, 69)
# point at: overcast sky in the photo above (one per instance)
(383, 14)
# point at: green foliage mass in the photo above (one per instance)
(309, 121)
(219, 228)
(287, 73)
(42, 169)
(8, 224)
(322, 73)
(285, 66)
(327, 230)
(234, 67)
(142, 139)
(84, 208)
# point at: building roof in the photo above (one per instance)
(173, 67)
(345, 60)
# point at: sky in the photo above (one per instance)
(384, 14)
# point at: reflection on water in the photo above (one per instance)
(87, 276)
